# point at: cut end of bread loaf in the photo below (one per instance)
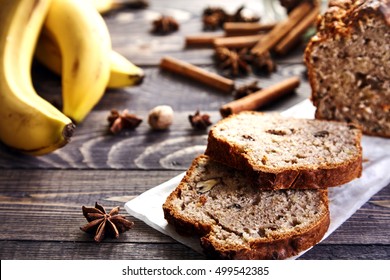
(236, 220)
(349, 65)
(284, 153)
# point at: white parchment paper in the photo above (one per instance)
(344, 200)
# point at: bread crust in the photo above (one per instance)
(319, 178)
(280, 247)
(292, 178)
(340, 20)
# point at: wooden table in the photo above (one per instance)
(41, 197)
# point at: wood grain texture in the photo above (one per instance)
(165, 251)
(41, 197)
(346, 252)
(131, 36)
(87, 251)
(93, 147)
(49, 210)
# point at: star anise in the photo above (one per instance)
(246, 89)
(213, 18)
(102, 224)
(165, 25)
(199, 121)
(263, 62)
(122, 120)
(232, 62)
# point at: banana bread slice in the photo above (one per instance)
(348, 64)
(237, 220)
(284, 153)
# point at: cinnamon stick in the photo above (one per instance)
(238, 41)
(191, 71)
(202, 40)
(281, 29)
(260, 98)
(295, 34)
(246, 28)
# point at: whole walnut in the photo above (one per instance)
(160, 117)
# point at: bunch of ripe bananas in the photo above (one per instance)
(71, 38)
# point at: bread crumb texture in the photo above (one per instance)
(349, 64)
(240, 215)
(273, 142)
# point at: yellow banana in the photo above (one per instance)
(123, 73)
(28, 123)
(105, 6)
(84, 42)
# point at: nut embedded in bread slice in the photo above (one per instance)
(237, 220)
(288, 153)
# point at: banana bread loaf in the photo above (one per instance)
(284, 153)
(237, 220)
(348, 64)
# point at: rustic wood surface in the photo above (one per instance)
(41, 197)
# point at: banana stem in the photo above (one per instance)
(68, 131)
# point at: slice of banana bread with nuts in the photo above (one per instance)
(288, 153)
(235, 219)
(348, 64)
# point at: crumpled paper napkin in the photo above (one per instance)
(344, 200)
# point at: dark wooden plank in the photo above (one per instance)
(89, 251)
(93, 147)
(162, 87)
(131, 36)
(166, 251)
(347, 252)
(366, 223)
(41, 197)
(46, 206)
